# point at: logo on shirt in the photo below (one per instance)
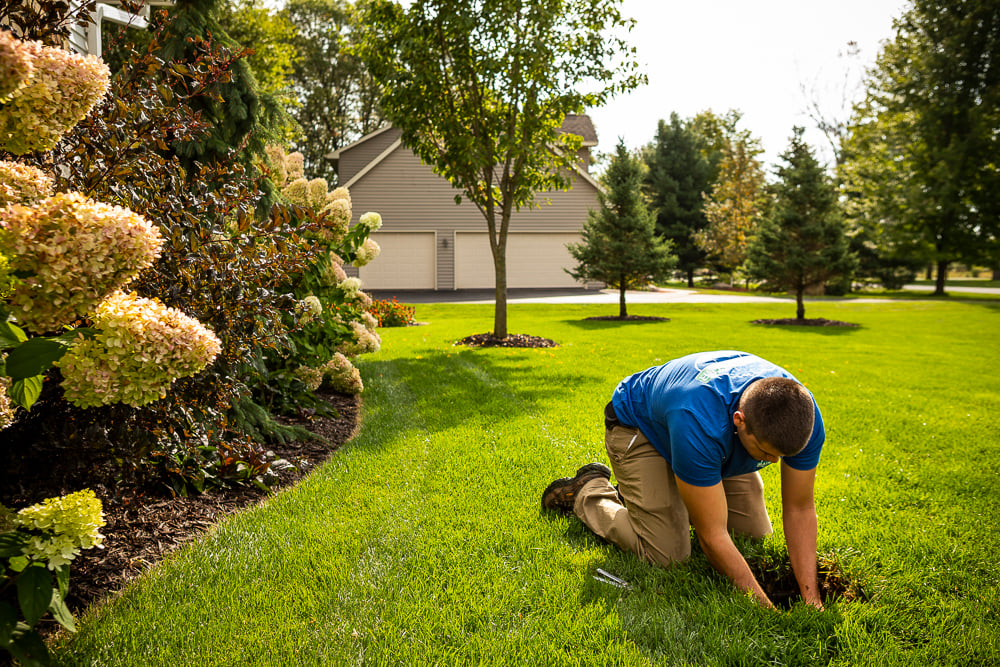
(726, 367)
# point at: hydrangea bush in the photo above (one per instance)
(23, 184)
(37, 545)
(63, 256)
(333, 325)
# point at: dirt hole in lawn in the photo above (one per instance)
(779, 582)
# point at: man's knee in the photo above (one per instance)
(666, 554)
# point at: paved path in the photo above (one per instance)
(955, 289)
(610, 296)
(632, 297)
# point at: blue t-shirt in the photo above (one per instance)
(685, 407)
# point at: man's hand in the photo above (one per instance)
(709, 515)
(798, 511)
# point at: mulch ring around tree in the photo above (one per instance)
(142, 530)
(814, 322)
(628, 318)
(512, 340)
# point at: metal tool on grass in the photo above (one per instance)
(606, 577)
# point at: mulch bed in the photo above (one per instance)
(141, 530)
(629, 318)
(815, 322)
(512, 340)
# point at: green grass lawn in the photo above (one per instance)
(421, 541)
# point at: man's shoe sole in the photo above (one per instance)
(585, 474)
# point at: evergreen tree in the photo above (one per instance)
(801, 241)
(239, 117)
(678, 178)
(620, 246)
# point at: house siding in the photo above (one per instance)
(356, 157)
(410, 197)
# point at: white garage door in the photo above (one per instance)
(533, 260)
(406, 262)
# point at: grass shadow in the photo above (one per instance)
(458, 378)
(821, 330)
(600, 325)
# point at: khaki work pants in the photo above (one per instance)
(649, 518)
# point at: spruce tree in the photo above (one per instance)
(620, 246)
(800, 242)
(678, 178)
(239, 117)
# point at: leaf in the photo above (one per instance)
(30, 651)
(8, 621)
(62, 578)
(12, 544)
(61, 612)
(69, 337)
(34, 356)
(34, 592)
(11, 335)
(25, 392)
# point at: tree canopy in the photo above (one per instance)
(735, 204)
(480, 88)
(337, 100)
(921, 158)
(678, 179)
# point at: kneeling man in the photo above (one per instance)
(686, 441)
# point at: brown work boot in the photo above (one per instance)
(560, 495)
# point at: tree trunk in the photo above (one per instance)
(500, 292)
(942, 276)
(622, 310)
(800, 304)
(929, 274)
(691, 278)
(996, 273)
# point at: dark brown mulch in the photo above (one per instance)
(512, 340)
(815, 322)
(629, 318)
(142, 530)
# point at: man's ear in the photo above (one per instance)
(739, 419)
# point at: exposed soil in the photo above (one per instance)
(779, 582)
(629, 318)
(141, 529)
(814, 322)
(512, 340)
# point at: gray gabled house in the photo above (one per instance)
(429, 242)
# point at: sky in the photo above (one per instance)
(751, 55)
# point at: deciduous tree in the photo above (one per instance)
(335, 94)
(801, 242)
(735, 204)
(922, 155)
(480, 88)
(620, 246)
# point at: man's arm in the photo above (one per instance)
(798, 512)
(709, 515)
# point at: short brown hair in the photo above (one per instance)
(780, 412)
